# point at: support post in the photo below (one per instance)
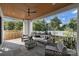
(27, 27)
(77, 45)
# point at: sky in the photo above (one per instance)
(65, 17)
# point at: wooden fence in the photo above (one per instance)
(12, 34)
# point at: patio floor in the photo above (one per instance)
(16, 48)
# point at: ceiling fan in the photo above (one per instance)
(27, 11)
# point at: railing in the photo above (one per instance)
(60, 33)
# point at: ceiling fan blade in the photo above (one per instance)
(33, 12)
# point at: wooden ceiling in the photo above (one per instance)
(17, 10)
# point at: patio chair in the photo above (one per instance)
(30, 43)
(24, 37)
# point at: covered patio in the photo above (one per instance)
(28, 13)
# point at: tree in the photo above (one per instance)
(18, 25)
(39, 25)
(36, 26)
(73, 24)
(55, 23)
(63, 27)
(9, 25)
(5, 26)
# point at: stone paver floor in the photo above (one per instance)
(16, 48)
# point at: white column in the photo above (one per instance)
(27, 27)
(30, 28)
(77, 30)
